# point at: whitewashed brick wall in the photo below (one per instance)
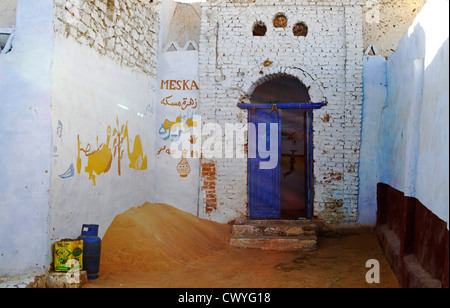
(328, 60)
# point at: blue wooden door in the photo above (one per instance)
(264, 164)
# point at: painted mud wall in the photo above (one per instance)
(116, 110)
(79, 103)
(405, 117)
(414, 144)
(404, 153)
(25, 138)
(103, 158)
(103, 112)
(177, 146)
(413, 194)
(375, 95)
(176, 105)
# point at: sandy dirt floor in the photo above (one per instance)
(158, 246)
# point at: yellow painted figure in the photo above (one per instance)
(137, 159)
(98, 161)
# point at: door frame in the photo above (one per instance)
(309, 107)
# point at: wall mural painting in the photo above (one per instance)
(137, 158)
(69, 173)
(55, 151)
(179, 85)
(100, 160)
(165, 150)
(59, 130)
(183, 166)
(185, 103)
(172, 130)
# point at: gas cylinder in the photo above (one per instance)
(92, 245)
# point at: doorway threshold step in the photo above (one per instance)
(278, 243)
(274, 228)
(281, 235)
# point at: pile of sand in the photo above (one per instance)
(159, 237)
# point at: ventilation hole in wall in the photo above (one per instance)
(190, 47)
(300, 29)
(171, 47)
(110, 7)
(259, 29)
(280, 21)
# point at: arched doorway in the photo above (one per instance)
(285, 191)
(282, 90)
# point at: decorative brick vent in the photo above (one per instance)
(300, 29)
(259, 29)
(280, 21)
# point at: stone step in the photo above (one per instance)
(279, 243)
(274, 228)
(282, 235)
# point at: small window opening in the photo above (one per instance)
(110, 7)
(300, 29)
(280, 21)
(259, 29)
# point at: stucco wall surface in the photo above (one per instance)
(103, 157)
(103, 86)
(375, 92)
(25, 138)
(176, 110)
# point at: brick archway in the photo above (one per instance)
(315, 89)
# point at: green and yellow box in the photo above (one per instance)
(68, 255)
